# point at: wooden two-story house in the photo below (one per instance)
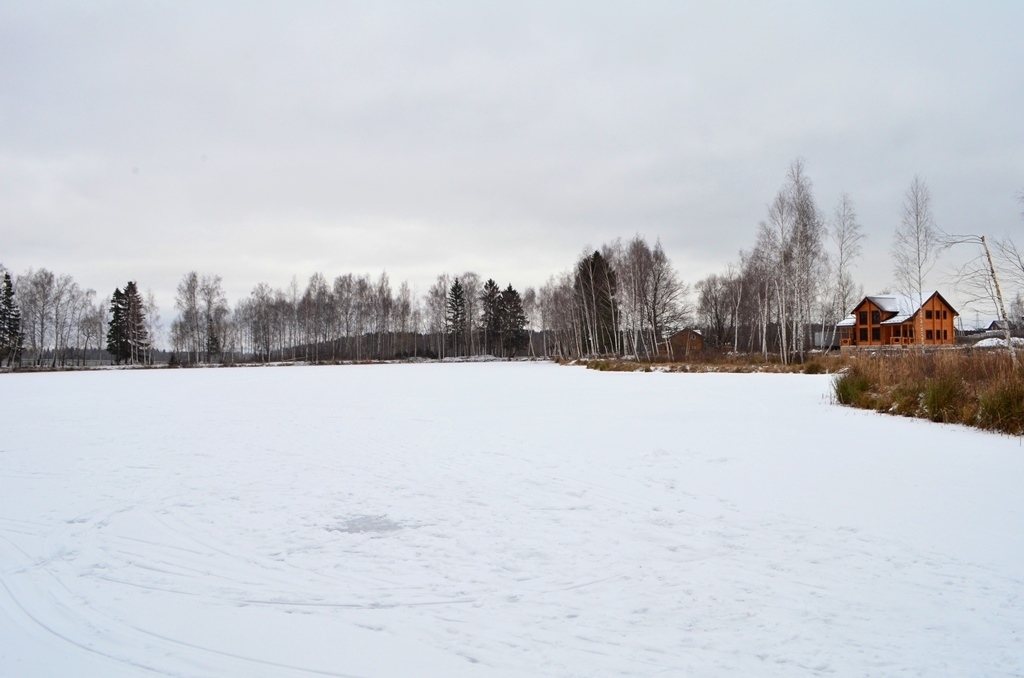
(890, 320)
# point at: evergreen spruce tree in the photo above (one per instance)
(456, 316)
(595, 287)
(135, 325)
(127, 338)
(490, 317)
(117, 334)
(4, 315)
(11, 337)
(512, 316)
(213, 346)
(6, 300)
(17, 337)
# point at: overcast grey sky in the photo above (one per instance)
(141, 140)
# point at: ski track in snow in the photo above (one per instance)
(497, 519)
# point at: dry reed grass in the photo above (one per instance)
(721, 362)
(963, 386)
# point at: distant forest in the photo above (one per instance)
(623, 298)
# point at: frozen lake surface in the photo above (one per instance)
(496, 520)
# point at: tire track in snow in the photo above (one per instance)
(110, 638)
(29, 618)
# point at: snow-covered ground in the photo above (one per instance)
(497, 520)
(997, 342)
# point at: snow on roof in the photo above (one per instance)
(901, 304)
(889, 303)
(898, 303)
(898, 319)
(848, 321)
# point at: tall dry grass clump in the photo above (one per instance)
(963, 386)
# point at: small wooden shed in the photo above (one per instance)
(684, 344)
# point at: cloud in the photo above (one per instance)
(265, 140)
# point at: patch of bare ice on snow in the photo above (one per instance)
(366, 523)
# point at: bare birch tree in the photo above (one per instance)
(153, 326)
(472, 284)
(809, 260)
(383, 304)
(215, 312)
(186, 330)
(979, 278)
(847, 239)
(668, 297)
(713, 308)
(35, 292)
(915, 245)
(405, 344)
(1011, 261)
(436, 303)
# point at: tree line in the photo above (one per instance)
(621, 298)
(624, 298)
(48, 320)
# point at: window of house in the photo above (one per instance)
(910, 332)
(862, 318)
(863, 334)
(876, 317)
(945, 334)
(927, 334)
(896, 331)
(876, 334)
(928, 315)
(944, 315)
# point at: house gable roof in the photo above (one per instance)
(903, 306)
(944, 300)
